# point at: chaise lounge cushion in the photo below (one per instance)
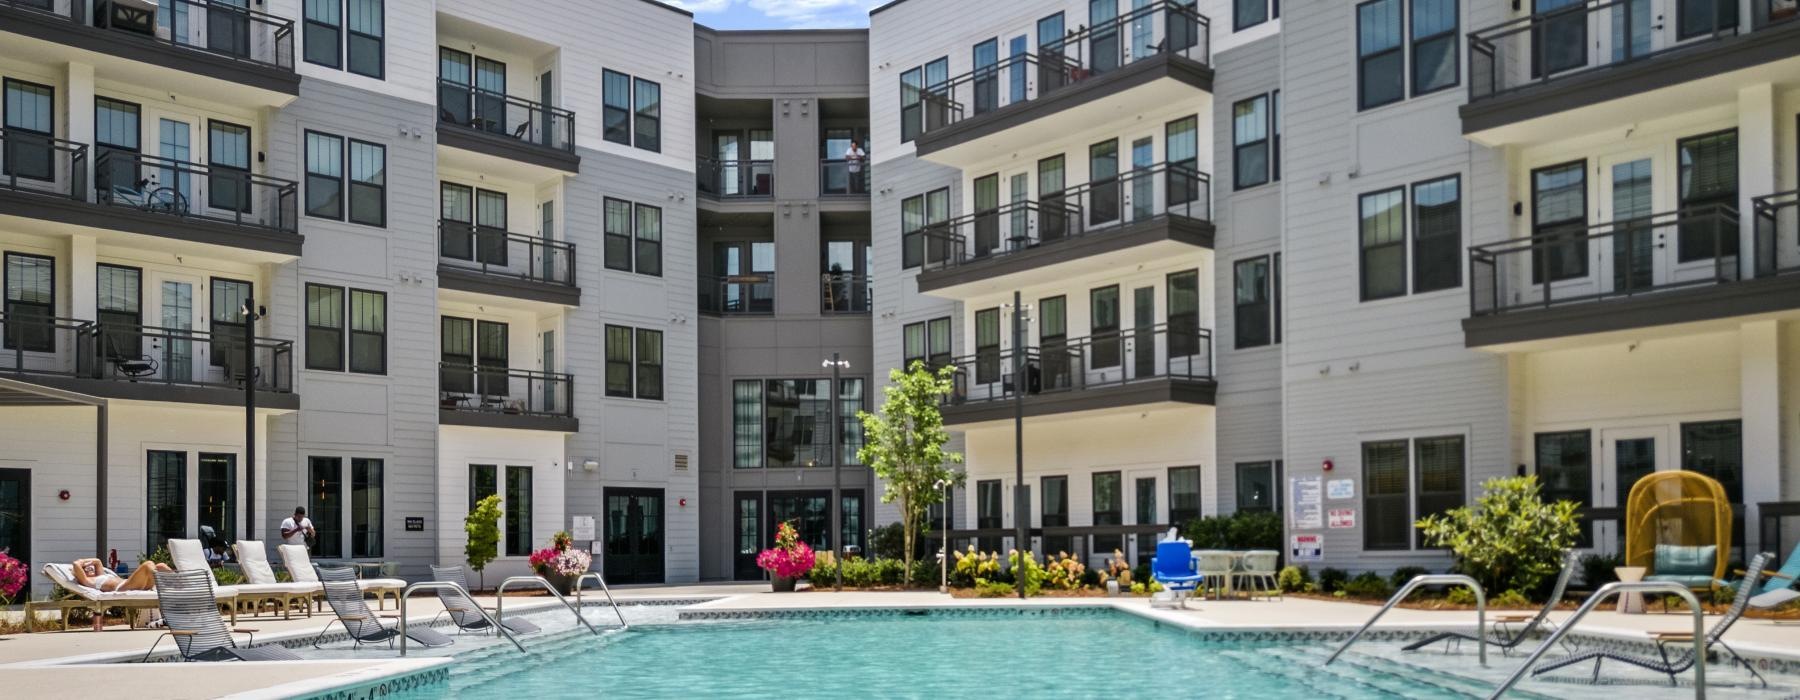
(64, 575)
(1691, 566)
(260, 577)
(188, 555)
(299, 565)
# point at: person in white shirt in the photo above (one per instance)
(853, 160)
(297, 529)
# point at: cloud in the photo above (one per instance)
(816, 13)
(701, 6)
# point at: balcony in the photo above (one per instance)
(484, 260)
(845, 294)
(1148, 58)
(735, 179)
(1601, 57)
(1162, 364)
(738, 295)
(45, 181)
(836, 178)
(500, 397)
(166, 46)
(1680, 267)
(124, 360)
(503, 126)
(1139, 217)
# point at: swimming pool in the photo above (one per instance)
(1041, 652)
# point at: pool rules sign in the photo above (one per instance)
(1307, 493)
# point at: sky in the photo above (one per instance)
(779, 14)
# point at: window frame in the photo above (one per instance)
(309, 25)
(1176, 516)
(6, 302)
(610, 110)
(1239, 307)
(1410, 446)
(1237, 16)
(933, 357)
(361, 516)
(1414, 239)
(351, 183)
(352, 332)
(640, 115)
(339, 180)
(313, 326)
(511, 507)
(917, 105)
(906, 358)
(912, 240)
(380, 40)
(1448, 36)
(1363, 248)
(1540, 265)
(1239, 469)
(621, 260)
(646, 254)
(1238, 179)
(1363, 57)
(642, 367)
(628, 362)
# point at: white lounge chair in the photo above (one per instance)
(299, 565)
(189, 555)
(253, 559)
(88, 598)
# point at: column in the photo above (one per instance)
(83, 296)
(78, 109)
(1756, 162)
(1760, 396)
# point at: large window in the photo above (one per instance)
(365, 507)
(324, 327)
(1405, 480)
(1256, 484)
(634, 362)
(230, 332)
(1381, 57)
(484, 481)
(988, 513)
(1565, 466)
(324, 175)
(1109, 509)
(1716, 449)
(912, 108)
(1709, 178)
(917, 213)
(1558, 215)
(649, 364)
(1184, 495)
(746, 423)
(1383, 244)
(326, 43)
(1247, 13)
(518, 511)
(1181, 151)
(1434, 57)
(615, 113)
(228, 163)
(323, 32)
(926, 341)
(1053, 492)
(368, 183)
(786, 422)
(1437, 234)
(368, 331)
(326, 156)
(1251, 317)
(648, 241)
(30, 111)
(940, 342)
(119, 309)
(647, 122)
(30, 303)
(1251, 124)
(618, 361)
(618, 233)
(987, 346)
(632, 237)
(1183, 310)
(165, 497)
(1105, 349)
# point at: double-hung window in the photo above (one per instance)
(1407, 479)
(1382, 236)
(228, 166)
(324, 327)
(324, 26)
(368, 183)
(1437, 234)
(987, 346)
(30, 303)
(912, 108)
(747, 423)
(618, 234)
(1184, 494)
(368, 331)
(647, 122)
(1251, 316)
(326, 158)
(30, 111)
(1256, 486)
(647, 252)
(927, 342)
(615, 112)
(1380, 54)
(1248, 13)
(940, 343)
(1250, 127)
(1558, 220)
(364, 46)
(649, 364)
(1433, 43)
(912, 344)
(1183, 310)
(324, 175)
(1709, 185)
(230, 331)
(618, 361)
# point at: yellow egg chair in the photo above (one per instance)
(1678, 526)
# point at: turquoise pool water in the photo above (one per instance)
(1097, 653)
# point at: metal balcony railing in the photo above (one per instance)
(841, 293)
(843, 177)
(34, 342)
(33, 162)
(205, 358)
(167, 187)
(750, 293)
(730, 179)
(1162, 27)
(498, 113)
(1692, 247)
(1163, 351)
(1094, 208)
(218, 27)
(497, 252)
(1777, 233)
(523, 392)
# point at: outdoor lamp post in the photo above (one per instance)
(251, 315)
(944, 544)
(1021, 315)
(837, 482)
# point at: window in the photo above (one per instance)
(937, 73)
(1054, 494)
(30, 111)
(912, 221)
(1696, 17)
(912, 344)
(368, 45)
(618, 361)
(1408, 479)
(1437, 234)
(324, 175)
(1183, 310)
(940, 343)
(518, 511)
(1716, 449)
(1275, 287)
(1380, 62)
(988, 512)
(1558, 215)
(1275, 134)
(324, 327)
(912, 109)
(615, 113)
(746, 423)
(30, 303)
(230, 332)
(365, 507)
(618, 229)
(786, 422)
(324, 35)
(1250, 123)
(216, 488)
(648, 123)
(368, 183)
(648, 253)
(165, 497)
(325, 505)
(324, 25)
(987, 346)
(1181, 152)
(1103, 327)
(1109, 509)
(1184, 495)
(1383, 244)
(937, 211)
(649, 364)
(1059, 363)
(368, 331)
(119, 308)
(1256, 486)
(1434, 58)
(325, 158)
(1565, 466)
(1250, 311)
(1709, 184)
(228, 164)
(484, 481)
(1248, 13)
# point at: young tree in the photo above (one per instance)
(483, 526)
(905, 445)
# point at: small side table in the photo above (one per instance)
(1631, 602)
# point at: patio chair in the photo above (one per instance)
(188, 555)
(1684, 658)
(1780, 588)
(259, 578)
(300, 566)
(192, 615)
(1256, 573)
(465, 612)
(90, 599)
(1507, 642)
(363, 626)
(1173, 567)
(1216, 568)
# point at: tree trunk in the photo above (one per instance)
(907, 529)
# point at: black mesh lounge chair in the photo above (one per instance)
(1683, 658)
(464, 611)
(192, 614)
(363, 626)
(1508, 641)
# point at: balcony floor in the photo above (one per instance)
(152, 390)
(1728, 303)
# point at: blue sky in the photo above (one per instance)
(779, 14)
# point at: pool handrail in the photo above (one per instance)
(1599, 596)
(539, 581)
(437, 585)
(1427, 580)
(576, 584)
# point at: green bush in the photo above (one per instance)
(887, 542)
(227, 577)
(1511, 539)
(993, 589)
(824, 570)
(1293, 579)
(1404, 574)
(482, 525)
(890, 572)
(971, 565)
(858, 572)
(1243, 530)
(1141, 572)
(1510, 599)
(1460, 595)
(1597, 569)
(1332, 580)
(925, 573)
(1032, 571)
(160, 556)
(1368, 584)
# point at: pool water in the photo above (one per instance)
(1037, 653)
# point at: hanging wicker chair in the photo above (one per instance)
(1678, 526)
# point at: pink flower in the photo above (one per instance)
(12, 576)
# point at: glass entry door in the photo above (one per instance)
(1636, 256)
(1626, 455)
(15, 514)
(634, 536)
(175, 299)
(746, 516)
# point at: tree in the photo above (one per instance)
(904, 444)
(1511, 540)
(483, 526)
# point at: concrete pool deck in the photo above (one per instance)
(36, 663)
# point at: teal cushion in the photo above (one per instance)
(1676, 560)
(1685, 580)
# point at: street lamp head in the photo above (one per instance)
(841, 364)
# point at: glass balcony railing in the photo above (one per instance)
(844, 177)
(1161, 352)
(500, 114)
(732, 179)
(841, 293)
(42, 164)
(750, 293)
(502, 390)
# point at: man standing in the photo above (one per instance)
(298, 529)
(853, 164)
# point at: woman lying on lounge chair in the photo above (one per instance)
(94, 574)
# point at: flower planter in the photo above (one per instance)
(562, 583)
(783, 584)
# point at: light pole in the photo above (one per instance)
(837, 481)
(251, 315)
(1020, 498)
(944, 544)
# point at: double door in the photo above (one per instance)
(634, 535)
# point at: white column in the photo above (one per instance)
(1760, 396)
(1756, 161)
(79, 110)
(82, 256)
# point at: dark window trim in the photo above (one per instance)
(341, 329)
(1541, 261)
(5, 303)
(1412, 233)
(350, 183)
(606, 109)
(1361, 58)
(1275, 295)
(637, 240)
(342, 178)
(1180, 518)
(629, 361)
(638, 364)
(380, 41)
(1412, 49)
(625, 263)
(1267, 142)
(336, 29)
(350, 329)
(1238, 307)
(918, 104)
(1237, 21)
(1362, 249)
(637, 112)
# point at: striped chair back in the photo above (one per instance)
(463, 610)
(346, 600)
(1746, 589)
(191, 612)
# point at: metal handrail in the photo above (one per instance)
(603, 587)
(1600, 596)
(435, 585)
(500, 599)
(1426, 580)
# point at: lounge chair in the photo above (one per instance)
(259, 579)
(88, 598)
(300, 566)
(464, 611)
(189, 555)
(1507, 642)
(363, 626)
(1173, 567)
(1683, 658)
(192, 615)
(1780, 588)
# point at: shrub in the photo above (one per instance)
(1597, 569)
(1032, 572)
(227, 577)
(887, 542)
(890, 572)
(1368, 584)
(1117, 569)
(13, 577)
(1404, 574)
(1332, 580)
(1460, 595)
(993, 589)
(925, 573)
(1140, 572)
(1510, 599)
(972, 565)
(859, 572)
(482, 525)
(1511, 539)
(1293, 578)
(824, 569)
(1242, 530)
(160, 556)
(1063, 571)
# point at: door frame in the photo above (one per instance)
(151, 289)
(23, 473)
(1661, 264)
(662, 521)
